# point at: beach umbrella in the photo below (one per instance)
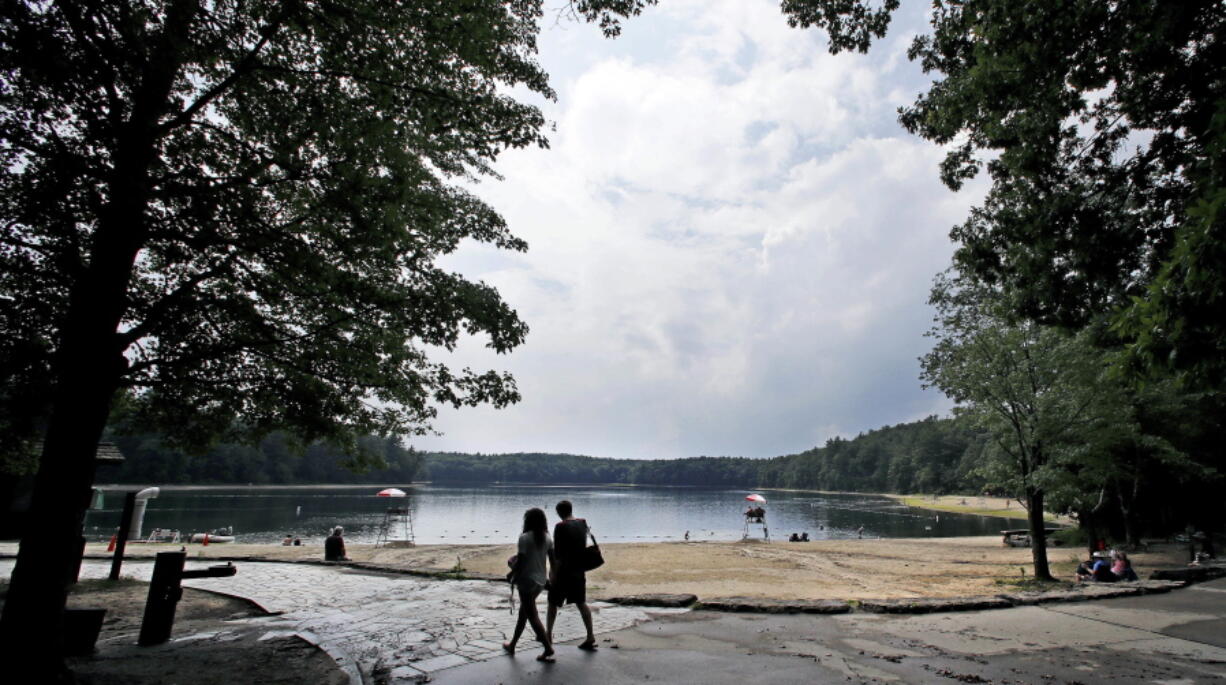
(391, 492)
(756, 498)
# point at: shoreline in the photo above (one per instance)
(868, 569)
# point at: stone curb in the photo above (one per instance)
(665, 601)
(1191, 574)
(775, 606)
(928, 605)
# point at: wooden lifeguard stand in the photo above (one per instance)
(397, 527)
(755, 517)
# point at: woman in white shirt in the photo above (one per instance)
(528, 574)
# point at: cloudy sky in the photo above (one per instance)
(732, 241)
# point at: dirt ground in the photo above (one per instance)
(217, 650)
(824, 569)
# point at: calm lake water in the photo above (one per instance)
(493, 514)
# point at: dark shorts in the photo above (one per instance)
(568, 588)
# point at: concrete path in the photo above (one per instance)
(1173, 638)
(383, 628)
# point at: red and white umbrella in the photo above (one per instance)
(391, 492)
(756, 498)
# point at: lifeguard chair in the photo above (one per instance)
(755, 517)
(397, 528)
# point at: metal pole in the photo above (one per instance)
(125, 522)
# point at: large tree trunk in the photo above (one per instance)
(50, 550)
(88, 367)
(1038, 533)
(1089, 526)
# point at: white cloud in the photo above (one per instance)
(731, 245)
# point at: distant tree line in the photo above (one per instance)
(933, 456)
(275, 460)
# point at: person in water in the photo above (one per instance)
(567, 582)
(528, 576)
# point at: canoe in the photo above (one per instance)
(199, 537)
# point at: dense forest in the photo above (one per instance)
(274, 460)
(933, 456)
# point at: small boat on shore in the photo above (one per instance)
(217, 535)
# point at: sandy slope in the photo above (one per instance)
(839, 569)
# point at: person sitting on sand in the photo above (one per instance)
(804, 537)
(1096, 569)
(287, 540)
(334, 545)
(1122, 567)
(794, 538)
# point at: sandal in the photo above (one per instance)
(547, 658)
(509, 648)
(588, 646)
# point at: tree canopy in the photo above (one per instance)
(277, 180)
(233, 209)
(1100, 124)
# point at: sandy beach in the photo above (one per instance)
(982, 505)
(826, 569)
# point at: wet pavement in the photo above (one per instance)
(1173, 638)
(384, 628)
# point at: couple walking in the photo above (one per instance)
(565, 581)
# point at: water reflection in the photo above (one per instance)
(492, 514)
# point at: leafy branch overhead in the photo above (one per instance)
(266, 186)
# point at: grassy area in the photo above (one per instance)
(1033, 584)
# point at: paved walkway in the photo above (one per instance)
(1177, 638)
(384, 628)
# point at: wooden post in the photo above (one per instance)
(125, 524)
(164, 594)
